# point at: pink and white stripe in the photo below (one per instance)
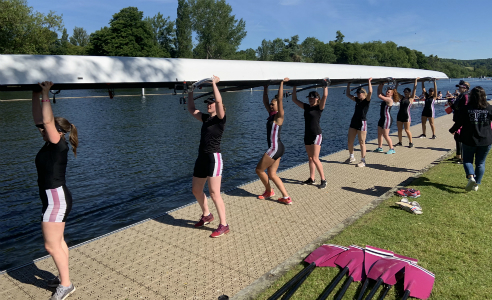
(274, 141)
(387, 117)
(57, 206)
(408, 111)
(364, 126)
(218, 165)
(318, 140)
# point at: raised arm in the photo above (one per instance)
(37, 114)
(219, 108)
(414, 91)
(348, 94)
(322, 102)
(369, 89)
(295, 100)
(191, 107)
(266, 101)
(435, 89)
(388, 100)
(280, 114)
(423, 88)
(47, 112)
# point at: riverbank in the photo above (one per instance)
(166, 258)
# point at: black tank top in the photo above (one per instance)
(404, 104)
(51, 164)
(385, 110)
(361, 108)
(211, 134)
(312, 115)
(273, 131)
(429, 103)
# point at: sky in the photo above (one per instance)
(446, 28)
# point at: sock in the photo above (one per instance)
(352, 155)
(286, 197)
(363, 159)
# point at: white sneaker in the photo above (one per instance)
(475, 187)
(471, 184)
(350, 160)
(361, 164)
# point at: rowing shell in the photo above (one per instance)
(23, 72)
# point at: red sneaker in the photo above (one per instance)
(285, 201)
(204, 220)
(220, 231)
(267, 195)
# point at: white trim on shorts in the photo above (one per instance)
(57, 205)
(219, 164)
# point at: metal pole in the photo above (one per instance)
(143, 92)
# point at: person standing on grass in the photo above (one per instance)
(51, 164)
(459, 103)
(312, 132)
(389, 98)
(358, 124)
(476, 135)
(209, 164)
(271, 159)
(404, 118)
(428, 113)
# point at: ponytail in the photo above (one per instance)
(74, 139)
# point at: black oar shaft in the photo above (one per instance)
(344, 288)
(406, 295)
(385, 291)
(296, 286)
(374, 289)
(363, 289)
(334, 284)
(294, 279)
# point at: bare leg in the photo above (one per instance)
(362, 143)
(214, 188)
(313, 153)
(265, 162)
(400, 130)
(197, 187)
(380, 137)
(272, 173)
(424, 119)
(54, 244)
(351, 138)
(433, 128)
(387, 137)
(407, 130)
(312, 166)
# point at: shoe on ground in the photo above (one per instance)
(287, 201)
(422, 136)
(475, 187)
(361, 164)
(391, 151)
(398, 144)
(53, 283)
(309, 181)
(62, 292)
(410, 145)
(433, 137)
(350, 160)
(204, 220)
(380, 150)
(220, 231)
(458, 162)
(266, 195)
(471, 184)
(322, 185)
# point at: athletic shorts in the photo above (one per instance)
(208, 165)
(312, 139)
(403, 117)
(385, 123)
(276, 150)
(429, 113)
(358, 125)
(57, 204)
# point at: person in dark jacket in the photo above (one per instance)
(456, 104)
(476, 135)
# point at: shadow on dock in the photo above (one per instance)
(32, 275)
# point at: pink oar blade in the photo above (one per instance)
(412, 260)
(386, 269)
(372, 255)
(418, 281)
(324, 254)
(353, 258)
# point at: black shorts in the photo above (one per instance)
(385, 123)
(311, 139)
(208, 165)
(276, 150)
(57, 204)
(403, 117)
(429, 113)
(360, 125)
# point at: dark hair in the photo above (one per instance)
(407, 89)
(69, 127)
(478, 98)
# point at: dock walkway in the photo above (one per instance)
(167, 258)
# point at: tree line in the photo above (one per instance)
(218, 36)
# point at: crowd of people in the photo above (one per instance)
(472, 131)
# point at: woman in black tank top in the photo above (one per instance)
(403, 119)
(208, 165)
(428, 111)
(271, 159)
(358, 124)
(312, 131)
(51, 163)
(389, 98)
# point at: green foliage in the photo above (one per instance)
(218, 32)
(248, 54)
(164, 33)
(280, 50)
(79, 37)
(183, 43)
(339, 37)
(127, 35)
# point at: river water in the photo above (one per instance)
(136, 156)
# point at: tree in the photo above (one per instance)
(324, 53)
(128, 35)
(60, 47)
(248, 54)
(79, 37)
(164, 33)
(263, 51)
(218, 32)
(339, 38)
(308, 48)
(183, 43)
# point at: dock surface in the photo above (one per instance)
(167, 258)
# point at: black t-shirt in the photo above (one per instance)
(475, 125)
(312, 115)
(458, 104)
(211, 134)
(361, 108)
(51, 163)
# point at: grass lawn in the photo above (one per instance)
(452, 238)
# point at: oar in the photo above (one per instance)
(323, 256)
(385, 270)
(351, 262)
(371, 256)
(398, 275)
(418, 282)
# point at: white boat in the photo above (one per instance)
(23, 72)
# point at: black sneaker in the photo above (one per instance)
(410, 145)
(398, 144)
(309, 181)
(422, 136)
(322, 184)
(433, 137)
